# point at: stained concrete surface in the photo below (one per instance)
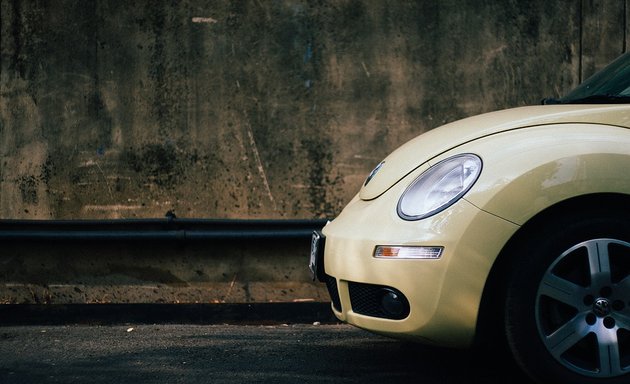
(255, 109)
(245, 109)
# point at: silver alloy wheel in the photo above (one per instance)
(583, 308)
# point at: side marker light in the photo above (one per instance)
(404, 252)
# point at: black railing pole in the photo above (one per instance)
(156, 229)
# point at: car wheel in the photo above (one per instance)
(567, 312)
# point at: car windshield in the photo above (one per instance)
(610, 85)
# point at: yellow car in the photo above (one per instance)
(512, 224)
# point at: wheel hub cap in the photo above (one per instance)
(583, 308)
(602, 307)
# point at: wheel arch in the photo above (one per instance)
(490, 316)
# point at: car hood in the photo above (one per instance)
(439, 140)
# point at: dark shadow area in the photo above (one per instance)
(201, 314)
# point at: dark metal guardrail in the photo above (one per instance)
(169, 228)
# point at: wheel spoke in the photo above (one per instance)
(599, 263)
(609, 357)
(624, 286)
(622, 321)
(561, 290)
(567, 336)
(623, 317)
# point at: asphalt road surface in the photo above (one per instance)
(301, 354)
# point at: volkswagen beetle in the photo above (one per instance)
(509, 225)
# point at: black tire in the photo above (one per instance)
(567, 312)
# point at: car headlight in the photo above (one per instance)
(439, 187)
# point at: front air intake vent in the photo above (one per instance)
(378, 301)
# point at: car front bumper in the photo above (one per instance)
(443, 294)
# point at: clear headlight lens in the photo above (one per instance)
(439, 187)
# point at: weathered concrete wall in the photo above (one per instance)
(260, 109)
